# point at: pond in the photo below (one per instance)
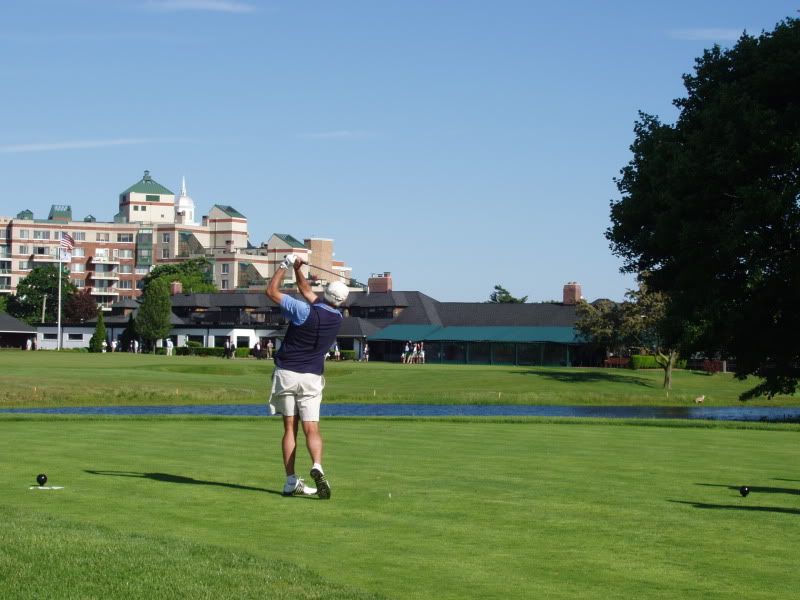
(722, 413)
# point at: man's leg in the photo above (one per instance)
(314, 444)
(313, 440)
(289, 443)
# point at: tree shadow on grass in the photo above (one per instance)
(168, 478)
(756, 489)
(771, 509)
(565, 376)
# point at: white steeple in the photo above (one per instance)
(185, 205)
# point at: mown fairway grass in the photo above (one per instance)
(189, 508)
(32, 379)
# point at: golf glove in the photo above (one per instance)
(288, 261)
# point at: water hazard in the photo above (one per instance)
(730, 413)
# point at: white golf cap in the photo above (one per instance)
(336, 293)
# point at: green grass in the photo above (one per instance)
(184, 507)
(34, 379)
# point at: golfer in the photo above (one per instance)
(297, 381)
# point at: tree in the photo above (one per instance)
(709, 208)
(500, 295)
(601, 323)
(99, 336)
(3, 303)
(31, 291)
(639, 322)
(195, 275)
(80, 307)
(128, 334)
(153, 318)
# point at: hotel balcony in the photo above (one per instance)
(45, 258)
(109, 291)
(104, 275)
(104, 260)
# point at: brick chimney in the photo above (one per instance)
(572, 293)
(380, 282)
(175, 288)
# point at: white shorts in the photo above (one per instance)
(294, 393)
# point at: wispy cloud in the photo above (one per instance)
(342, 134)
(706, 34)
(227, 6)
(80, 145)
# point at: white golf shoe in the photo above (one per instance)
(298, 489)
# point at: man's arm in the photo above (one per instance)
(302, 283)
(273, 289)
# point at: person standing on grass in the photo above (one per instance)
(297, 381)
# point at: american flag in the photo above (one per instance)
(67, 241)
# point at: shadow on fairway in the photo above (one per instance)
(587, 377)
(167, 478)
(756, 489)
(772, 509)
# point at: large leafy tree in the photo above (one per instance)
(195, 275)
(31, 291)
(153, 318)
(709, 208)
(81, 307)
(501, 295)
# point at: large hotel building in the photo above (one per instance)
(154, 226)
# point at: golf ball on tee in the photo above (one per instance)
(41, 479)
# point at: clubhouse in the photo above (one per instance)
(452, 332)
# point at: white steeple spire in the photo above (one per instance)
(185, 205)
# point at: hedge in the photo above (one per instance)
(648, 361)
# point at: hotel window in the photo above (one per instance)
(165, 253)
(78, 252)
(39, 234)
(24, 250)
(126, 269)
(23, 234)
(79, 236)
(144, 208)
(136, 207)
(224, 284)
(142, 270)
(126, 284)
(78, 283)
(41, 250)
(78, 268)
(165, 238)
(124, 237)
(102, 237)
(225, 269)
(25, 265)
(126, 253)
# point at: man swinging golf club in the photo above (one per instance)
(297, 381)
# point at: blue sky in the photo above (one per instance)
(456, 144)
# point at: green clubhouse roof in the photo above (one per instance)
(435, 333)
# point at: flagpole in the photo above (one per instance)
(59, 293)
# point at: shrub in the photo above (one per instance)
(190, 351)
(648, 361)
(347, 354)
